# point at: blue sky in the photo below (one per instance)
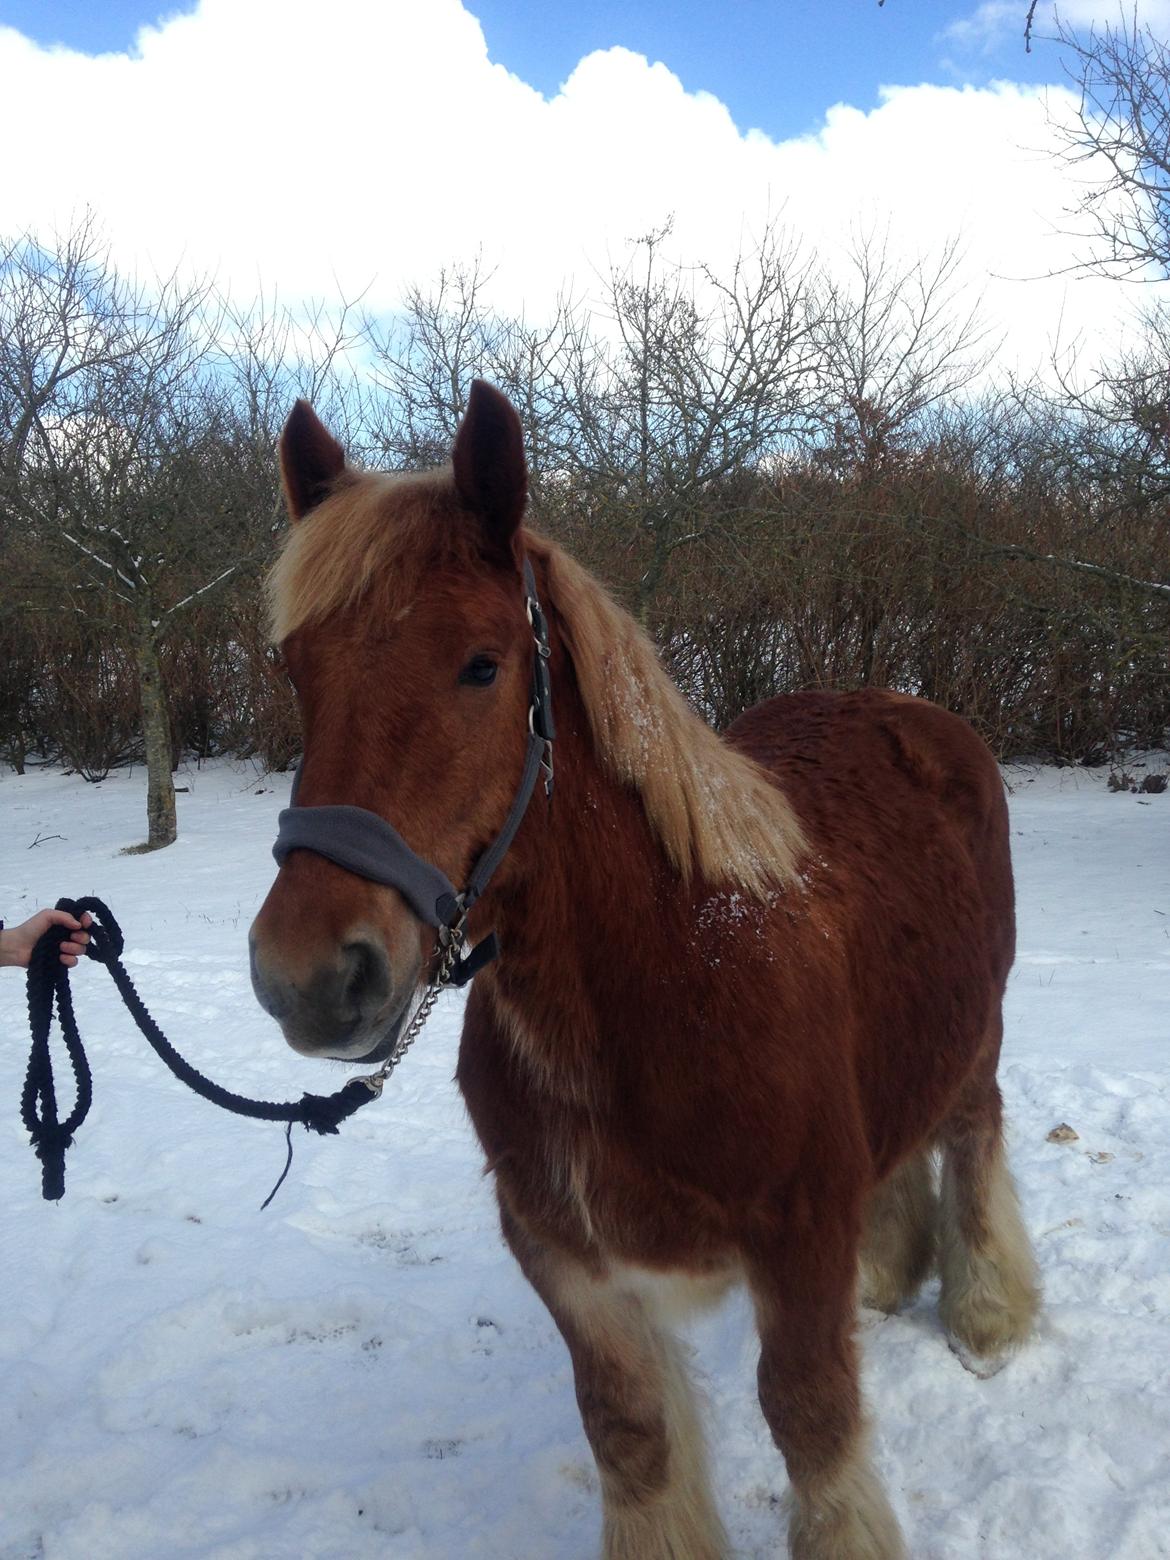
(776, 64)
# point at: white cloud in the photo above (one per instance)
(1154, 14)
(988, 28)
(273, 141)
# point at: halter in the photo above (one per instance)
(367, 845)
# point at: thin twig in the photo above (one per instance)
(1028, 28)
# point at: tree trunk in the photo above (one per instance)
(160, 789)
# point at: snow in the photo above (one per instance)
(361, 1371)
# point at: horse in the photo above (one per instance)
(748, 987)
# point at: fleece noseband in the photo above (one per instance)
(365, 844)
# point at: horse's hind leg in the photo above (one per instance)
(806, 1309)
(897, 1247)
(990, 1288)
(637, 1409)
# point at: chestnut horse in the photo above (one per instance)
(746, 985)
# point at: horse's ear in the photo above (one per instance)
(310, 459)
(491, 476)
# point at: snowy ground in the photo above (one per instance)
(360, 1371)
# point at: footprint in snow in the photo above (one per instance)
(439, 1449)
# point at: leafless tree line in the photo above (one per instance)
(788, 476)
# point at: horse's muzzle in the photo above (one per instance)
(348, 1009)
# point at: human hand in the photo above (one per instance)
(18, 942)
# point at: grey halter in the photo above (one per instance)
(365, 844)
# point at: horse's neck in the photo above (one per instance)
(600, 923)
(595, 919)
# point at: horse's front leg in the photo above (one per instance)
(637, 1409)
(803, 1284)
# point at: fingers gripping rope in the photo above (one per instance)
(48, 985)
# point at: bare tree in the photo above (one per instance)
(58, 322)
(898, 338)
(111, 430)
(1120, 135)
(426, 356)
(266, 356)
(691, 376)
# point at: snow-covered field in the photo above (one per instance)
(361, 1371)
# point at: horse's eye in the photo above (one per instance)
(480, 672)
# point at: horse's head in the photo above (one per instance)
(399, 604)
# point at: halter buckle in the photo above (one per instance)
(454, 931)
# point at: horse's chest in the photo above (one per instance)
(572, 1163)
(594, 1193)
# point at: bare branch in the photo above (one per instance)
(203, 589)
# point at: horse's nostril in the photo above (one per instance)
(367, 978)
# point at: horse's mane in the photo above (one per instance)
(714, 810)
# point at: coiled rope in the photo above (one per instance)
(48, 986)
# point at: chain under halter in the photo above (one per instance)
(448, 951)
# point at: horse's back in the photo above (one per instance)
(862, 761)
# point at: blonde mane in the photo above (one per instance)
(715, 812)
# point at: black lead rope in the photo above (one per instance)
(48, 983)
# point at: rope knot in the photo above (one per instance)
(324, 1113)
